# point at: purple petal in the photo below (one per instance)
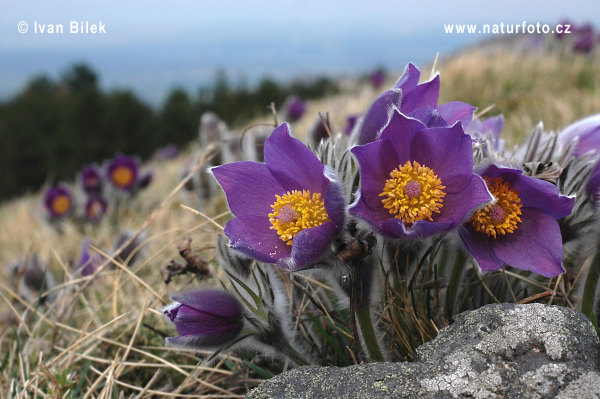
(534, 193)
(309, 246)
(334, 201)
(479, 246)
(190, 321)
(588, 132)
(377, 160)
(376, 215)
(214, 337)
(292, 163)
(448, 152)
(457, 111)
(217, 302)
(459, 206)
(536, 244)
(424, 95)
(409, 79)
(250, 188)
(400, 132)
(429, 116)
(252, 236)
(378, 116)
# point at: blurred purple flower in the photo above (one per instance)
(91, 179)
(288, 210)
(204, 318)
(585, 43)
(566, 25)
(58, 201)
(295, 108)
(520, 228)
(123, 172)
(378, 78)
(88, 261)
(95, 208)
(419, 101)
(479, 128)
(169, 151)
(417, 181)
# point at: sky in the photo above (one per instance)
(152, 46)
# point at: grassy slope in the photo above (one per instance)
(97, 337)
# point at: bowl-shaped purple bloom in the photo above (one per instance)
(58, 201)
(377, 78)
(295, 108)
(91, 179)
(419, 101)
(204, 318)
(519, 229)
(95, 208)
(122, 171)
(288, 210)
(417, 181)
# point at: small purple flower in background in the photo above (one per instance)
(169, 151)
(479, 128)
(288, 210)
(88, 261)
(58, 201)
(519, 229)
(587, 134)
(350, 123)
(419, 101)
(95, 208)
(91, 179)
(318, 131)
(204, 318)
(122, 171)
(585, 43)
(417, 181)
(295, 108)
(378, 78)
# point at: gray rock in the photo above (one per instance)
(497, 351)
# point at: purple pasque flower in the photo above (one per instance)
(419, 101)
(91, 179)
(204, 318)
(58, 201)
(351, 121)
(587, 134)
(295, 108)
(519, 228)
(88, 261)
(585, 43)
(377, 78)
(417, 181)
(122, 171)
(481, 128)
(288, 209)
(95, 208)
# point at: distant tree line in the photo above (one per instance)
(52, 128)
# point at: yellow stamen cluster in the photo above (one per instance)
(501, 217)
(296, 211)
(413, 192)
(122, 176)
(61, 204)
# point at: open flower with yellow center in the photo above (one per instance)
(122, 171)
(58, 201)
(288, 209)
(417, 181)
(519, 228)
